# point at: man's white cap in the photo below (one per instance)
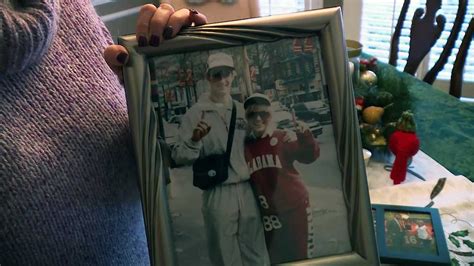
(220, 60)
(257, 98)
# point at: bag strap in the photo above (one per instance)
(230, 137)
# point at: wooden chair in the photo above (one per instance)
(423, 35)
(455, 86)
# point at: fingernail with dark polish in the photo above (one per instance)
(193, 11)
(154, 40)
(122, 57)
(168, 32)
(142, 41)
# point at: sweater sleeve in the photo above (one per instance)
(26, 30)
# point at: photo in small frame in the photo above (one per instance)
(276, 92)
(410, 235)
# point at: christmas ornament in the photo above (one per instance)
(370, 64)
(379, 141)
(372, 114)
(360, 103)
(404, 144)
(372, 135)
(368, 77)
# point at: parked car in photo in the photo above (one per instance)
(313, 110)
(278, 107)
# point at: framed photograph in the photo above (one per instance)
(248, 145)
(410, 235)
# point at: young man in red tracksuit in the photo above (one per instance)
(283, 198)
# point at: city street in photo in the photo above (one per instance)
(289, 74)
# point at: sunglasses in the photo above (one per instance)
(218, 74)
(262, 114)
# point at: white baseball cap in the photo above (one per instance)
(219, 60)
(257, 98)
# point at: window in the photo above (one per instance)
(377, 30)
(275, 7)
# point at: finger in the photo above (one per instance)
(115, 56)
(143, 23)
(201, 128)
(198, 133)
(158, 22)
(304, 127)
(203, 123)
(205, 129)
(291, 136)
(182, 18)
(301, 126)
(197, 18)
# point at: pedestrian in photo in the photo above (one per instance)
(422, 234)
(231, 217)
(395, 231)
(283, 197)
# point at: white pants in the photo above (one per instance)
(233, 226)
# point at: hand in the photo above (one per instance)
(289, 136)
(200, 131)
(154, 24)
(301, 127)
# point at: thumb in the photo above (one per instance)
(116, 56)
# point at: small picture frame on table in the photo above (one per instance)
(410, 235)
(296, 67)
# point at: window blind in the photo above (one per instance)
(378, 22)
(449, 9)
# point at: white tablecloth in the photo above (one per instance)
(455, 202)
(422, 164)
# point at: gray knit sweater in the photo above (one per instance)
(68, 187)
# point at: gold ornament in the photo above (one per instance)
(380, 141)
(369, 78)
(372, 114)
(372, 137)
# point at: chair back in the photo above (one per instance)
(455, 86)
(424, 33)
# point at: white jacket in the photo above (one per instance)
(186, 151)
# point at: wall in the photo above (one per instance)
(352, 13)
(215, 11)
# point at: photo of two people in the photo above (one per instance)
(409, 232)
(258, 117)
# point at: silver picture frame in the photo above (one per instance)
(146, 123)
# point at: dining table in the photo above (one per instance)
(445, 128)
(445, 125)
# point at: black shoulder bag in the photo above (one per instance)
(213, 170)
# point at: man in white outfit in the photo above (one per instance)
(231, 216)
(422, 234)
